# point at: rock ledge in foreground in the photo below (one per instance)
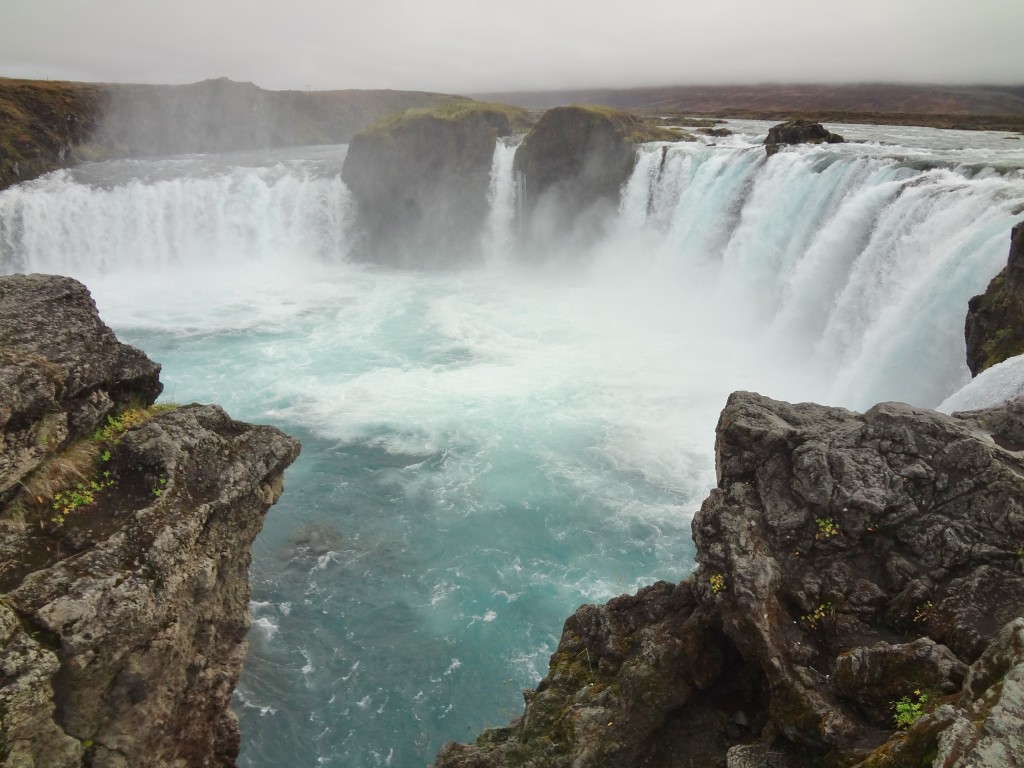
(844, 561)
(122, 629)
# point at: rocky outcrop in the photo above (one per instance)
(420, 180)
(994, 330)
(798, 132)
(846, 563)
(575, 161)
(124, 546)
(63, 372)
(43, 124)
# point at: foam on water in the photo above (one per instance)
(486, 448)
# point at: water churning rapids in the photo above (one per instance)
(488, 446)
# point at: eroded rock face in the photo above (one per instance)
(122, 627)
(799, 132)
(844, 561)
(420, 181)
(994, 330)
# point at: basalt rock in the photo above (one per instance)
(845, 561)
(799, 132)
(63, 372)
(420, 180)
(575, 161)
(994, 330)
(122, 615)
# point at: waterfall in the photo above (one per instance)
(503, 198)
(174, 214)
(860, 260)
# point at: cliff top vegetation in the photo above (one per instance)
(519, 119)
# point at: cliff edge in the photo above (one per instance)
(125, 533)
(857, 601)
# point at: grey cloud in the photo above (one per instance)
(467, 45)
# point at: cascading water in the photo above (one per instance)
(500, 234)
(485, 449)
(856, 261)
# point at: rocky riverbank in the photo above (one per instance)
(125, 535)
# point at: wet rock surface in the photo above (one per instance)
(845, 562)
(122, 626)
(994, 330)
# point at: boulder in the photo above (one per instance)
(994, 329)
(846, 562)
(420, 180)
(125, 543)
(799, 132)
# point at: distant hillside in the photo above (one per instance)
(45, 125)
(945, 106)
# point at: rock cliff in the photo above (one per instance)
(857, 601)
(994, 330)
(125, 533)
(420, 180)
(47, 125)
(798, 132)
(574, 162)
(42, 124)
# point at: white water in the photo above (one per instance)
(486, 448)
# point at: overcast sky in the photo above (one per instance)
(464, 46)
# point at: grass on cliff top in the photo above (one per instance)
(633, 128)
(453, 111)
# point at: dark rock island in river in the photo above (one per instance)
(799, 132)
(846, 562)
(420, 180)
(125, 535)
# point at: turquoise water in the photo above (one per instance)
(487, 447)
(467, 480)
